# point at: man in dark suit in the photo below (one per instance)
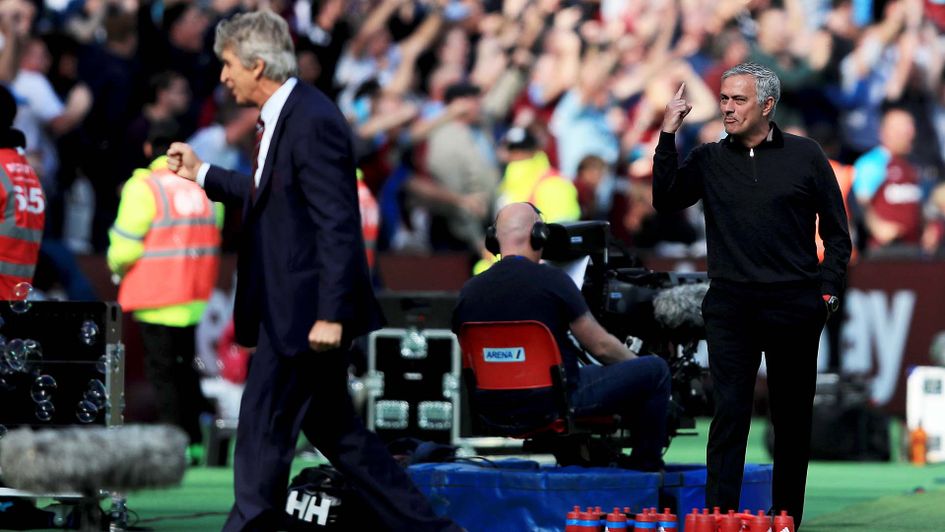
(303, 291)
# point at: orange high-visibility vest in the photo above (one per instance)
(844, 173)
(22, 214)
(181, 249)
(370, 221)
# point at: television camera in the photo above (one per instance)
(663, 309)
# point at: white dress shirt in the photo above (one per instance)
(269, 114)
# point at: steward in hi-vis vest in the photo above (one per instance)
(529, 177)
(180, 252)
(22, 204)
(22, 214)
(165, 247)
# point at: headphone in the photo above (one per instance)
(537, 238)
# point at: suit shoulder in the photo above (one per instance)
(313, 104)
(314, 113)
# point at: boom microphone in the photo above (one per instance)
(680, 306)
(89, 459)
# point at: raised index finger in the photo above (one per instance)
(679, 93)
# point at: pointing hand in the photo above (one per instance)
(676, 111)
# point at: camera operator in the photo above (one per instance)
(519, 288)
(762, 191)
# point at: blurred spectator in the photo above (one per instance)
(593, 177)
(668, 234)
(587, 79)
(181, 44)
(434, 106)
(867, 78)
(370, 54)
(42, 116)
(730, 48)
(913, 89)
(325, 33)
(580, 123)
(886, 185)
(44, 119)
(529, 177)
(23, 206)
(786, 46)
(462, 162)
(113, 72)
(168, 99)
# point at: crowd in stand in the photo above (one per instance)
(460, 106)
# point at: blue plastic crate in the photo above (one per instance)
(684, 489)
(518, 495)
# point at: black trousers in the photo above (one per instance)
(169, 365)
(784, 320)
(309, 393)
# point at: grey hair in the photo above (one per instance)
(261, 35)
(767, 84)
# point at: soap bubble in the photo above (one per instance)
(22, 290)
(97, 385)
(33, 346)
(15, 354)
(95, 397)
(86, 411)
(43, 388)
(34, 355)
(96, 393)
(45, 410)
(5, 385)
(110, 361)
(22, 293)
(88, 332)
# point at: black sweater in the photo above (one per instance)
(760, 207)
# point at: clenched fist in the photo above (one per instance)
(182, 160)
(676, 111)
(325, 335)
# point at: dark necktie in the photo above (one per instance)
(260, 128)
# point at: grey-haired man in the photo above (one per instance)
(762, 191)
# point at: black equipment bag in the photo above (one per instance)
(319, 498)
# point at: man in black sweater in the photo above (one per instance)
(762, 191)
